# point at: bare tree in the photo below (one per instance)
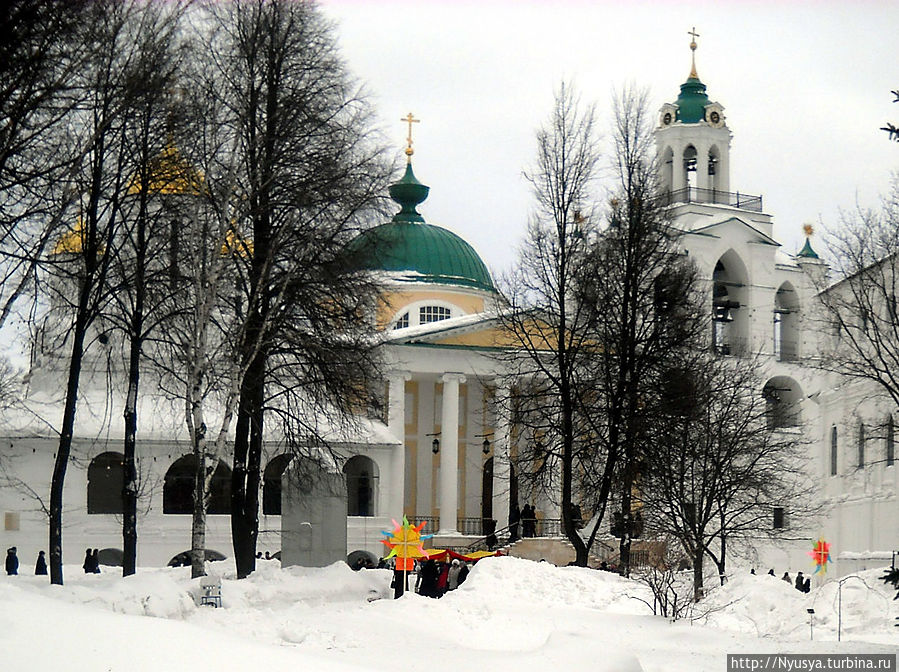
(718, 469)
(861, 305)
(139, 277)
(38, 59)
(552, 328)
(306, 171)
(111, 84)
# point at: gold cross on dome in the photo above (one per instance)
(409, 119)
(695, 35)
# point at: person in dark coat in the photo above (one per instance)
(807, 586)
(786, 577)
(528, 521)
(463, 574)
(40, 567)
(800, 582)
(95, 561)
(514, 518)
(87, 566)
(428, 579)
(12, 561)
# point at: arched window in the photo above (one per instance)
(402, 321)
(833, 450)
(782, 402)
(690, 170)
(271, 484)
(730, 319)
(178, 490)
(105, 482)
(786, 323)
(361, 475)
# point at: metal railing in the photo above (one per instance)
(475, 527)
(732, 198)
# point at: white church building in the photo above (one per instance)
(442, 453)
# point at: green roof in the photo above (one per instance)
(426, 253)
(807, 251)
(692, 101)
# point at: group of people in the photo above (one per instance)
(802, 584)
(91, 561)
(526, 518)
(12, 562)
(435, 579)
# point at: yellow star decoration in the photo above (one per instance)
(405, 541)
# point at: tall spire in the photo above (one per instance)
(693, 45)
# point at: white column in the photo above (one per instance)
(449, 453)
(501, 470)
(396, 423)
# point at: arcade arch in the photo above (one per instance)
(105, 482)
(178, 490)
(783, 401)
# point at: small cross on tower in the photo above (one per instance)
(409, 119)
(694, 35)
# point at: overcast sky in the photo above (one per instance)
(805, 87)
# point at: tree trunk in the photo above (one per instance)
(722, 562)
(698, 589)
(65, 439)
(245, 474)
(129, 487)
(624, 546)
(198, 519)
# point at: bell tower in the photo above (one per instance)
(693, 142)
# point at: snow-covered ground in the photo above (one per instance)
(510, 614)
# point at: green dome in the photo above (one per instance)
(426, 253)
(692, 101)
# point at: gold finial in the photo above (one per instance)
(409, 119)
(693, 32)
(808, 229)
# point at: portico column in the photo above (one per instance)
(449, 453)
(501, 470)
(396, 424)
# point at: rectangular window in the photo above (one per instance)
(779, 518)
(11, 521)
(890, 443)
(861, 445)
(833, 451)
(433, 314)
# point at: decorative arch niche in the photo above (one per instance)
(361, 474)
(105, 482)
(271, 484)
